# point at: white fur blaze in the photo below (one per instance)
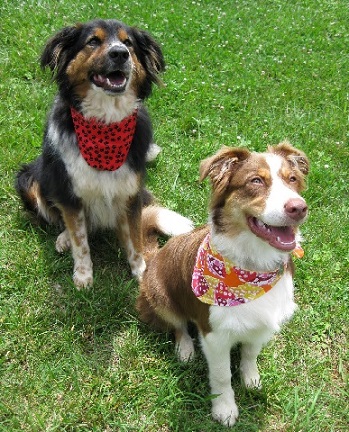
(280, 193)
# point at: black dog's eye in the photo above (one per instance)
(93, 42)
(127, 42)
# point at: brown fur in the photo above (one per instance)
(172, 267)
(243, 192)
(166, 286)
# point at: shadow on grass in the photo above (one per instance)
(191, 398)
(100, 328)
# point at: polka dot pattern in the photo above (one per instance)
(104, 146)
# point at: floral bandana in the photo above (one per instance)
(104, 146)
(218, 282)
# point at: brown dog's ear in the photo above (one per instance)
(54, 54)
(294, 156)
(221, 166)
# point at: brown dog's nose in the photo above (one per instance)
(296, 209)
(119, 54)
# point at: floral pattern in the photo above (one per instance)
(217, 281)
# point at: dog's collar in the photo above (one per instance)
(104, 146)
(216, 281)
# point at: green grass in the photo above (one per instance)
(238, 73)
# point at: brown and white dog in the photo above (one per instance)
(98, 136)
(233, 277)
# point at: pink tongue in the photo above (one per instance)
(285, 234)
(110, 81)
(282, 238)
(117, 80)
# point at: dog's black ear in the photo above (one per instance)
(221, 166)
(55, 52)
(149, 53)
(294, 156)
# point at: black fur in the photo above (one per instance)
(46, 182)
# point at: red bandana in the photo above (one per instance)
(104, 146)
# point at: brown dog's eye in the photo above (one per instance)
(94, 42)
(293, 179)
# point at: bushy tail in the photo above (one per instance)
(161, 221)
(28, 188)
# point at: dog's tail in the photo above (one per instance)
(157, 221)
(28, 188)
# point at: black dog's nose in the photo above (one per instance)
(119, 54)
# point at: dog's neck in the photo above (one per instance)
(248, 251)
(106, 108)
(220, 282)
(104, 146)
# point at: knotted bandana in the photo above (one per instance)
(104, 146)
(218, 282)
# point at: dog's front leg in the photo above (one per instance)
(217, 352)
(76, 235)
(248, 364)
(129, 230)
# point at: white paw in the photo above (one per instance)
(251, 378)
(253, 383)
(225, 411)
(83, 277)
(138, 267)
(63, 242)
(185, 349)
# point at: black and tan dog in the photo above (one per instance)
(98, 134)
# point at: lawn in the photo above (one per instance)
(245, 73)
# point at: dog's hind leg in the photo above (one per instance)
(76, 232)
(165, 320)
(184, 344)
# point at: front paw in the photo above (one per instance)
(225, 411)
(83, 277)
(253, 383)
(251, 378)
(63, 242)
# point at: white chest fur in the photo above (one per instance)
(265, 314)
(103, 193)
